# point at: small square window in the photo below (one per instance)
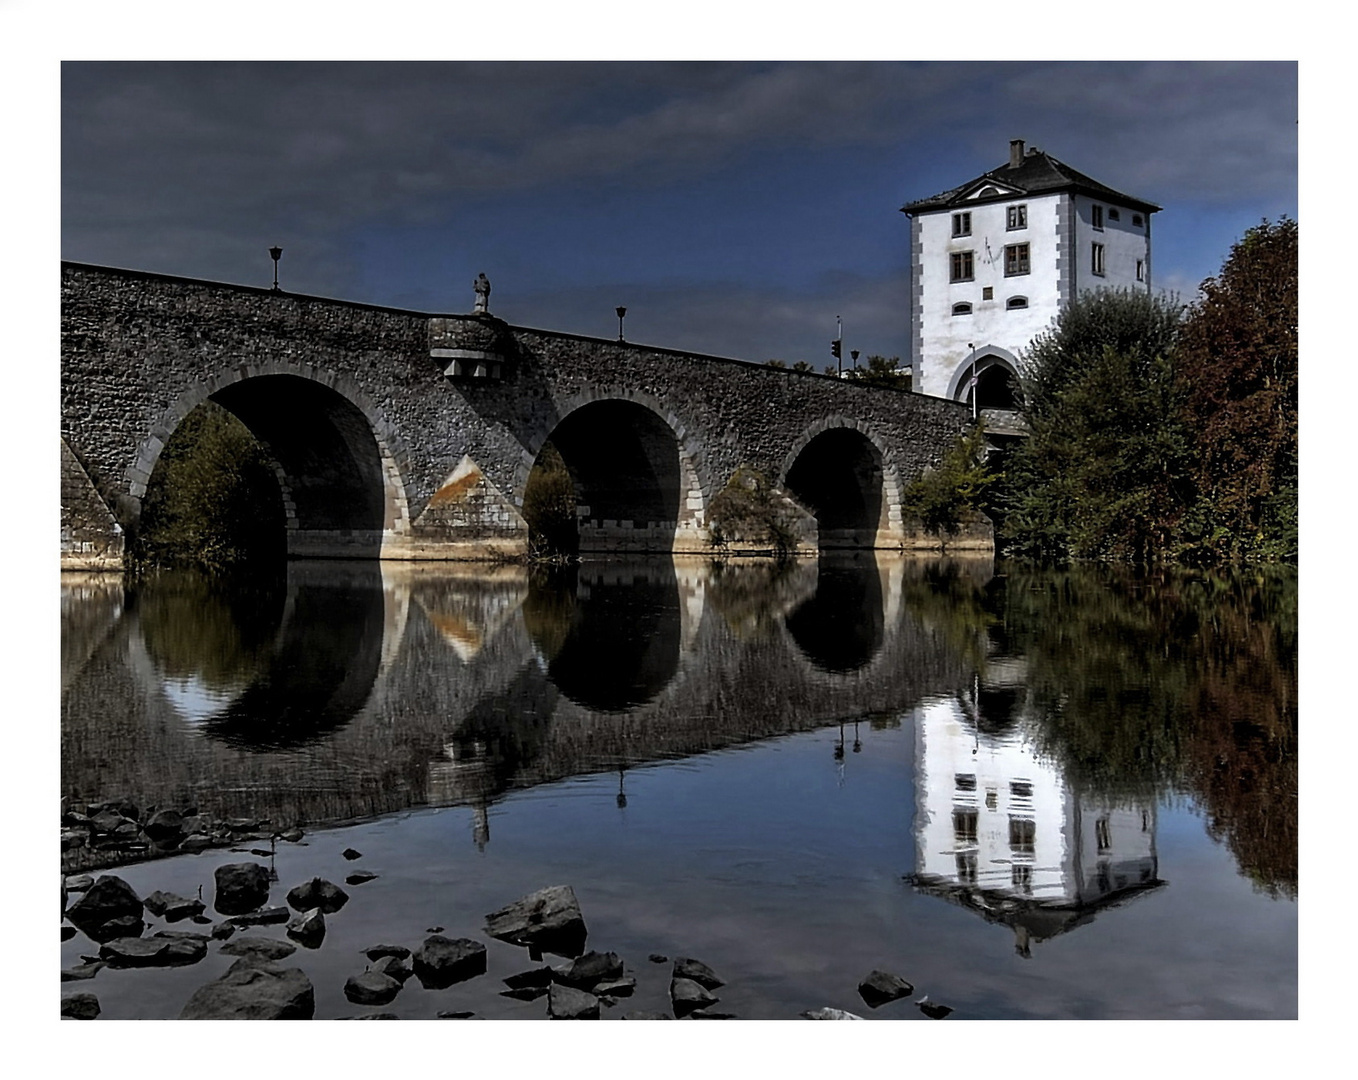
(1136, 220)
(1017, 217)
(1097, 214)
(987, 292)
(1015, 260)
(1096, 262)
(963, 267)
(1113, 214)
(961, 224)
(965, 781)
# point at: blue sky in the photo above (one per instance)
(734, 208)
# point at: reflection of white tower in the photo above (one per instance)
(1000, 831)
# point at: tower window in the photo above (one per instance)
(1113, 214)
(1097, 215)
(1016, 302)
(961, 309)
(1136, 220)
(961, 224)
(963, 266)
(1017, 217)
(1140, 269)
(1015, 260)
(1096, 261)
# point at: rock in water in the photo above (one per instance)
(394, 967)
(932, 1011)
(549, 920)
(308, 928)
(164, 826)
(567, 1003)
(259, 948)
(262, 917)
(687, 995)
(172, 907)
(685, 968)
(254, 991)
(351, 854)
(828, 1013)
(318, 893)
(79, 1007)
(881, 987)
(440, 962)
(152, 952)
(643, 1015)
(108, 909)
(371, 988)
(376, 952)
(359, 877)
(241, 888)
(591, 968)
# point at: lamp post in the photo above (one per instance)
(621, 312)
(275, 253)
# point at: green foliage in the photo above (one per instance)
(549, 507)
(213, 500)
(943, 496)
(799, 365)
(1102, 473)
(881, 371)
(1237, 363)
(750, 509)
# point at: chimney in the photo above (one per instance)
(1015, 153)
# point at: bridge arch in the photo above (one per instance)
(839, 469)
(636, 470)
(341, 466)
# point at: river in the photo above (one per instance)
(1029, 793)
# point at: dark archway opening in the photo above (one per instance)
(838, 477)
(841, 627)
(996, 388)
(623, 464)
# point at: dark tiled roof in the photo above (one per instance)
(1039, 174)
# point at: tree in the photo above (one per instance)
(1237, 366)
(1102, 474)
(881, 371)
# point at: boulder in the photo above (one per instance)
(164, 826)
(828, 1013)
(241, 888)
(263, 917)
(687, 995)
(440, 962)
(152, 952)
(308, 928)
(359, 877)
(657, 958)
(881, 986)
(710, 1014)
(376, 952)
(79, 882)
(457, 1014)
(292, 836)
(591, 968)
(222, 931)
(79, 1007)
(685, 968)
(260, 948)
(371, 988)
(351, 854)
(397, 968)
(84, 971)
(548, 920)
(68, 932)
(524, 993)
(109, 902)
(172, 907)
(192, 845)
(541, 976)
(254, 991)
(74, 838)
(318, 894)
(568, 1003)
(932, 1010)
(642, 1014)
(616, 987)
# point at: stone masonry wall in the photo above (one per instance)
(139, 351)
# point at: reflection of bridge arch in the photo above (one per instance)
(839, 470)
(339, 464)
(636, 475)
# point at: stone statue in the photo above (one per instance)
(482, 287)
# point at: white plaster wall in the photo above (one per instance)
(946, 336)
(1123, 245)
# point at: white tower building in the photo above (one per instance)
(994, 260)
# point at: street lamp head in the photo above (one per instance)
(275, 253)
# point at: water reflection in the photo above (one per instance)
(266, 664)
(999, 829)
(840, 626)
(609, 632)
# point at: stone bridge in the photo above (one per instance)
(401, 435)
